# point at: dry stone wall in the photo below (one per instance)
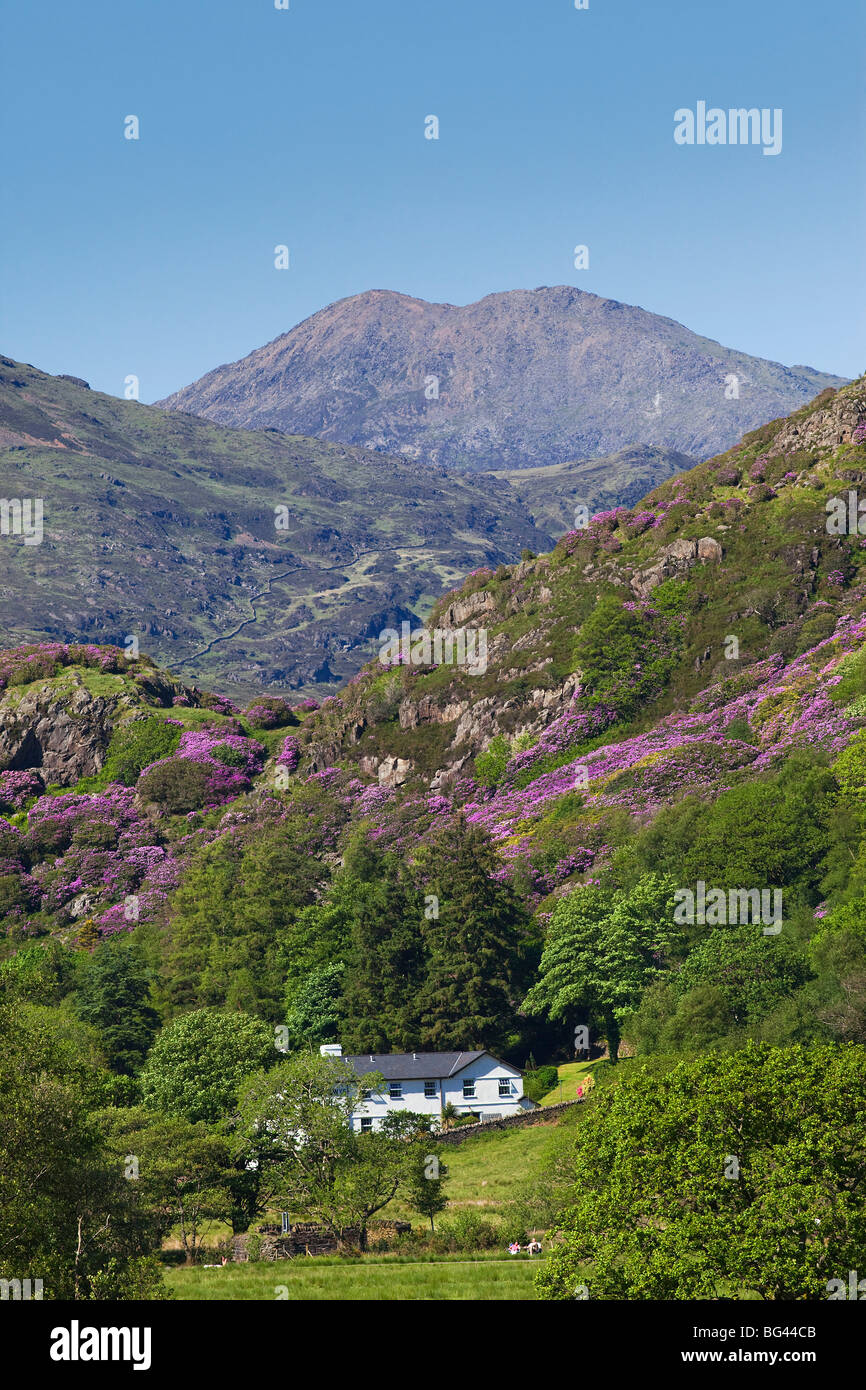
(541, 1116)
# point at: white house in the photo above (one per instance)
(475, 1083)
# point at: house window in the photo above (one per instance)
(504, 1086)
(395, 1090)
(366, 1123)
(468, 1090)
(429, 1089)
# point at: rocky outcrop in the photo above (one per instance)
(468, 609)
(481, 720)
(63, 733)
(393, 772)
(675, 560)
(822, 429)
(427, 711)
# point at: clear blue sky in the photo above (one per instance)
(306, 127)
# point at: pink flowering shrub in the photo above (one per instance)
(220, 704)
(575, 726)
(85, 852)
(272, 712)
(290, 753)
(640, 522)
(761, 492)
(607, 521)
(209, 768)
(17, 788)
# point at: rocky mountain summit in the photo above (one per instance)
(525, 378)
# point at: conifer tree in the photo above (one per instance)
(474, 936)
(385, 956)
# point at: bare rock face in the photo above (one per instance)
(473, 606)
(426, 711)
(64, 734)
(393, 772)
(85, 902)
(709, 549)
(825, 429)
(675, 560)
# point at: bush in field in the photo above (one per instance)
(270, 712)
(176, 785)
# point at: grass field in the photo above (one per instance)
(487, 1171)
(570, 1075)
(369, 1279)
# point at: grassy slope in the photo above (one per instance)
(551, 493)
(774, 589)
(487, 1171)
(571, 1074)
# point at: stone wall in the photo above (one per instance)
(306, 1238)
(529, 1117)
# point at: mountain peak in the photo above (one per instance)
(518, 379)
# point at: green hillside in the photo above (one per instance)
(164, 526)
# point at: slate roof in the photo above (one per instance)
(414, 1066)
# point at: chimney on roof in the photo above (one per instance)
(414, 1056)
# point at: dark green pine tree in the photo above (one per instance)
(475, 933)
(385, 959)
(229, 917)
(114, 997)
